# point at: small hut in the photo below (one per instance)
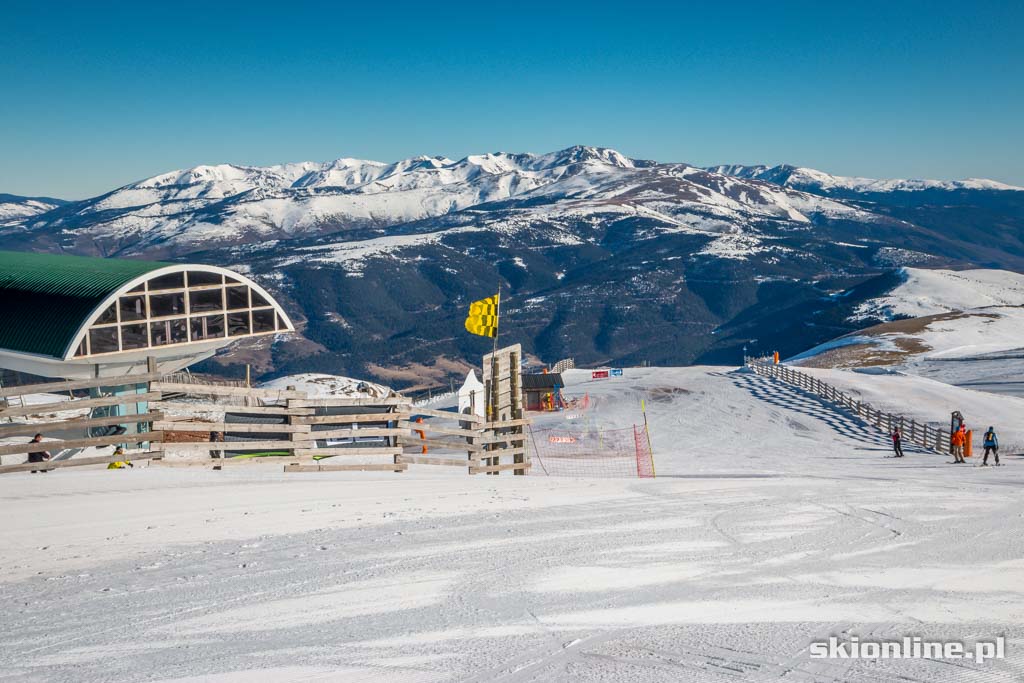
(543, 391)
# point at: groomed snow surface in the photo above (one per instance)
(775, 521)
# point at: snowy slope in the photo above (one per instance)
(774, 522)
(927, 292)
(15, 209)
(954, 314)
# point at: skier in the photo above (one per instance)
(991, 443)
(897, 442)
(957, 441)
(120, 464)
(40, 456)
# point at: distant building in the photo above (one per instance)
(77, 317)
(543, 391)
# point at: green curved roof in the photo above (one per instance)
(45, 298)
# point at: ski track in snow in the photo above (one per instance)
(746, 549)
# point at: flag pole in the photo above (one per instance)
(497, 316)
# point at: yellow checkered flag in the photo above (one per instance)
(483, 317)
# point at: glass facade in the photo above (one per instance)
(180, 308)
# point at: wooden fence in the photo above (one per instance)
(919, 433)
(462, 440)
(40, 408)
(218, 425)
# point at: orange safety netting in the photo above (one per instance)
(608, 453)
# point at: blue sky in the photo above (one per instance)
(96, 95)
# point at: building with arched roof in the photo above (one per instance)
(78, 317)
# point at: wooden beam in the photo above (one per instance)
(215, 390)
(500, 468)
(231, 427)
(502, 438)
(508, 423)
(14, 449)
(311, 419)
(393, 467)
(447, 431)
(342, 451)
(77, 462)
(424, 460)
(70, 385)
(352, 433)
(34, 428)
(503, 451)
(80, 403)
(241, 410)
(448, 415)
(230, 446)
(341, 402)
(414, 442)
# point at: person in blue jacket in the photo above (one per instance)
(991, 444)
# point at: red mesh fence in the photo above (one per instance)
(607, 453)
(644, 456)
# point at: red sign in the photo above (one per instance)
(599, 374)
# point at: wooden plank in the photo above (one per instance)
(500, 468)
(503, 451)
(232, 427)
(446, 414)
(415, 442)
(343, 451)
(231, 446)
(77, 423)
(502, 438)
(215, 390)
(311, 419)
(14, 449)
(341, 402)
(447, 431)
(393, 467)
(170, 406)
(162, 462)
(426, 460)
(508, 423)
(71, 385)
(80, 403)
(352, 433)
(77, 462)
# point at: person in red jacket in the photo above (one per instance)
(897, 442)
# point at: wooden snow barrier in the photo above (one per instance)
(220, 425)
(362, 434)
(69, 423)
(306, 434)
(919, 433)
(443, 438)
(504, 440)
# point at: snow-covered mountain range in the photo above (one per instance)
(811, 180)
(183, 211)
(590, 245)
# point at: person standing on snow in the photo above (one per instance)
(957, 441)
(897, 442)
(39, 456)
(991, 443)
